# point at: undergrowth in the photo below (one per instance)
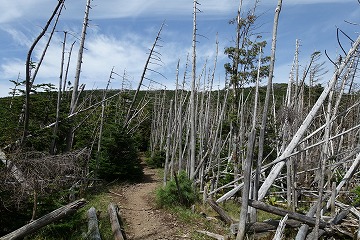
(177, 194)
(74, 227)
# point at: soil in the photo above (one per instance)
(141, 217)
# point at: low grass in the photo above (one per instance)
(195, 220)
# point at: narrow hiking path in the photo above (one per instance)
(143, 220)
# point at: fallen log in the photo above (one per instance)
(93, 226)
(268, 225)
(333, 229)
(115, 224)
(282, 212)
(55, 215)
(223, 215)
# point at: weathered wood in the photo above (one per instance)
(115, 224)
(55, 215)
(14, 171)
(282, 212)
(223, 215)
(130, 113)
(358, 232)
(280, 228)
(28, 65)
(348, 175)
(336, 220)
(353, 210)
(332, 199)
(192, 146)
(93, 226)
(301, 235)
(304, 126)
(268, 225)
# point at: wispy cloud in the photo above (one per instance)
(18, 36)
(316, 1)
(110, 9)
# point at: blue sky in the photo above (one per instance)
(121, 32)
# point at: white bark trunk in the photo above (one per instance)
(299, 134)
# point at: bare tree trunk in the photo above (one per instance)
(28, 72)
(248, 162)
(15, 172)
(192, 96)
(102, 118)
(267, 96)
(223, 215)
(325, 155)
(67, 67)
(280, 229)
(74, 96)
(169, 130)
(53, 143)
(298, 135)
(128, 116)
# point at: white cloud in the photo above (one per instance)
(18, 36)
(26, 10)
(12, 10)
(101, 54)
(41, 9)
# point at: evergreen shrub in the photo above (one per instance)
(118, 158)
(170, 195)
(157, 161)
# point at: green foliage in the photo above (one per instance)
(356, 191)
(118, 158)
(142, 135)
(247, 58)
(156, 161)
(67, 228)
(169, 195)
(20, 213)
(74, 227)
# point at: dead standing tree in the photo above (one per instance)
(28, 65)
(267, 97)
(55, 131)
(75, 94)
(280, 161)
(192, 94)
(246, 194)
(155, 56)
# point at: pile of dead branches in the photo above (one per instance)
(36, 173)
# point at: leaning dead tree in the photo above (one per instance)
(251, 140)
(28, 68)
(154, 57)
(242, 146)
(280, 161)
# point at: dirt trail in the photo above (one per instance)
(137, 208)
